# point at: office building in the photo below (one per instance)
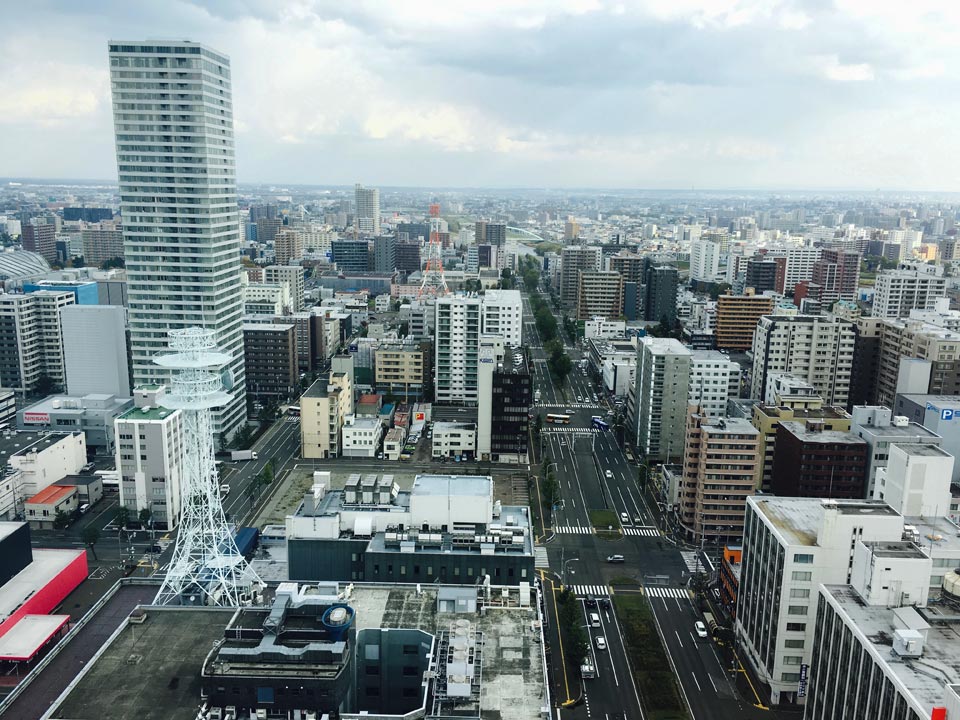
(445, 528)
(737, 317)
(940, 414)
(813, 348)
(490, 233)
(505, 395)
(41, 238)
(84, 291)
(403, 368)
(264, 299)
(41, 458)
(881, 429)
(102, 242)
(714, 379)
(293, 277)
(367, 206)
(270, 354)
(360, 436)
(571, 230)
(287, 246)
(898, 292)
(178, 199)
(87, 214)
(660, 293)
(704, 260)
(791, 546)
(454, 440)
(350, 255)
(323, 408)
(267, 229)
(149, 458)
(456, 346)
(599, 293)
(574, 259)
(385, 253)
(915, 357)
(660, 397)
(837, 272)
(31, 339)
(91, 414)
(721, 466)
(95, 350)
(762, 274)
(810, 461)
(799, 268)
(408, 257)
(502, 314)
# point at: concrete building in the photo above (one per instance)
(351, 255)
(41, 238)
(408, 256)
(660, 292)
(182, 248)
(270, 355)
(502, 314)
(837, 272)
(791, 546)
(446, 528)
(940, 414)
(403, 368)
(813, 348)
(762, 274)
(8, 408)
(714, 379)
(44, 509)
(367, 210)
(393, 443)
(574, 259)
(361, 436)
(490, 233)
(287, 246)
(602, 327)
(31, 339)
(95, 350)
(915, 358)
(101, 242)
(84, 291)
(293, 277)
(599, 293)
(880, 429)
(42, 458)
(264, 299)
(267, 229)
(149, 458)
(810, 461)
(505, 397)
(721, 467)
(704, 260)
(323, 408)
(457, 343)
(91, 414)
(737, 318)
(661, 393)
(898, 292)
(454, 440)
(800, 263)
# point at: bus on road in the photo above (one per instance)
(557, 419)
(599, 424)
(293, 411)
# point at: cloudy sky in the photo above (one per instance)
(857, 94)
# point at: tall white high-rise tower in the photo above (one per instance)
(173, 119)
(206, 568)
(367, 218)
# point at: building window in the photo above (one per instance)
(797, 644)
(805, 558)
(790, 677)
(802, 576)
(797, 610)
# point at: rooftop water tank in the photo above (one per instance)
(337, 619)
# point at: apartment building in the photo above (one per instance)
(916, 357)
(600, 293)
(31, 339)
(660, 397)
(367, 210)
(402, 367)
(574, 259)
(323, 408)
(502, 314)
(837, 272)
(457, 344)
(721, 466)
(811, 461)
(714, 379)
(818, 349)
(270, 355)
(287, 246)
(898, 292)
(737, 318)
(101, 242)
(704, 260)
(149, 458)
(799, 268)
(293, 277)
(266, 299)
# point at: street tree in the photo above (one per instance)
(90, 536)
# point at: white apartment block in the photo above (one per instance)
(502, 314)
(149, 450)
(453, 439)
(704, 260)
(456, 346)
(575, 258)
(265, 299)
(43, 459)
(361, 436)
(714, 378)
(173, 123)
(95, 350)
(290, 275)
(31, 335)
(810, 347)
(367, 216)
(800, 261)
(660, 397)
(898, 292)
(323, 409)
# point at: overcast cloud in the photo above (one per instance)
(545, 93)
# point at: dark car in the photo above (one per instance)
(605, 603)
(591, 601)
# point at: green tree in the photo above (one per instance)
(90, 535)
(144, 516)
(243, 437)
(122, 516)
(116, 262)
(77, 261)
(60, 520)
(45, 385)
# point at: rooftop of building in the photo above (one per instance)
(924, 678)
(923, 449)
(449, 426)
(51, 495)
(362, 422)
(798, 520)
(57, 284)
(267, 327)
(664, 346)
(319, 387)
(608, 346)
(19, 443)
(47, 564)
(827, 412)
(801, 431)
(453, 485)
(895, 549)
(147, 413)
(369, 399)
(72, 404)
(938, 401)
(721, 426)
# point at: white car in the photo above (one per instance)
(624, 518)
(601, 642)
(579, 398)
(700, 628)
(609, 474)
(224, 489)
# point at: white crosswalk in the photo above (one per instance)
(584, 590)
(577, 430)
(540, 559)
(690, 560)
(667, 592)
(644, 531)
(567, 405)
(573, 530)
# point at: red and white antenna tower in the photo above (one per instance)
(434, 283)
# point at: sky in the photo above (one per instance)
(702, 94)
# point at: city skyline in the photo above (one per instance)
(778, 95)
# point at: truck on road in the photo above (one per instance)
(243, 455)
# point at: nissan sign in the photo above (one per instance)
(36, 418)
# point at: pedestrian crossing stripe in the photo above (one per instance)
(540, 559)
(667, 592)
(644, 531)
(573, 530)
(566, 405)
(691, 561)
(577, 430)
(584, 590)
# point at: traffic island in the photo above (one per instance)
(606, 524)
(651, 669)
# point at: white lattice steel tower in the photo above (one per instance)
(206, 568)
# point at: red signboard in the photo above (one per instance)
(419, 416)
(37, 417)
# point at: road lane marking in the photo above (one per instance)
(710, 678)
(677, 633)
(694, 676)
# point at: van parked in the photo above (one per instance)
(84, 508)
(594, 620)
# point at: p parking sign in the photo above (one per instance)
(946, 414)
